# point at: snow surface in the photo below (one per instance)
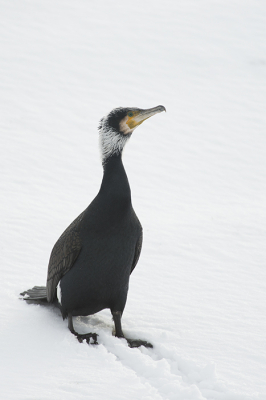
(197, 176)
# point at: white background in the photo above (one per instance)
(197, 176)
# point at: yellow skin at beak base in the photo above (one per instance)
(132, 123)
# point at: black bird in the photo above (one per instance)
(91, 262)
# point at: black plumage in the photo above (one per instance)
(91, 262)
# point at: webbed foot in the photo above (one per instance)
(119, 333)
(138, 342)
(81, 336)
(87, 337)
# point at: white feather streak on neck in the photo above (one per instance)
(111, 142)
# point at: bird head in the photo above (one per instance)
(116, 128)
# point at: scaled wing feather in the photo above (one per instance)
(63, 256)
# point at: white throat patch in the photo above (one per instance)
(124, 126)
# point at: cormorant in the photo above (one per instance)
(91, 262)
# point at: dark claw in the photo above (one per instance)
(138, 342)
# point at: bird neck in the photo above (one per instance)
(115, 183)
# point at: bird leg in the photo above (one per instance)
(80, 336)
(117, 315)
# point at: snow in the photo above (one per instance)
(197, 176)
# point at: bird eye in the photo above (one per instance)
(130, 114)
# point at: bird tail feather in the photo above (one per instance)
(37, 294)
